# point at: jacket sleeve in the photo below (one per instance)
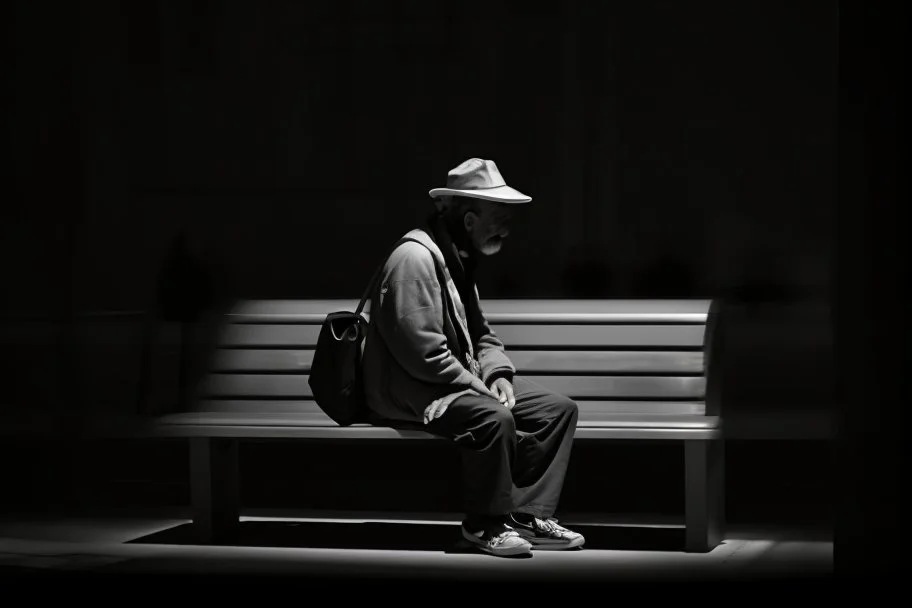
(412, 323)
(492, 356)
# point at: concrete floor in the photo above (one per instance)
(399, 547)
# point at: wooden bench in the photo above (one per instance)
(639, 370)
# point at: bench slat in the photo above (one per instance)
(587, 408)
(497, 311)
(299, 360)
(632, 427)
(296, 386)
(514, 336)
(320, 420)
(382, 434)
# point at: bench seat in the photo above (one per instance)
(319, 426)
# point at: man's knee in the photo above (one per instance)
(499, 420)
(567, 407)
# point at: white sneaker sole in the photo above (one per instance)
(545, 544)
(521, 549)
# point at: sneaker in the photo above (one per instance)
(496, 538)
(545, 534)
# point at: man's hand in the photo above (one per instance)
(438, 406)
(503, 391)
(435, 410)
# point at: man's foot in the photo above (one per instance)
(545, 534)
(495, 537)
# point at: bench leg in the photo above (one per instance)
(214, 488)
(704, 509)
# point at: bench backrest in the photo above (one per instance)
(611, 356)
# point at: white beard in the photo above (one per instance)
(491, 247)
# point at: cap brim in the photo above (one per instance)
(501, 194)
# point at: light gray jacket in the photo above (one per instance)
(413, 350)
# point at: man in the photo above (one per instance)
(431, 359)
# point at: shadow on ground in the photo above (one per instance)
(405, 536)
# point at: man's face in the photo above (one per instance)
(488, 228)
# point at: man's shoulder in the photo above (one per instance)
(411, 257)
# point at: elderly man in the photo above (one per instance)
(431, 359)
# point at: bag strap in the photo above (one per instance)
(372, 284)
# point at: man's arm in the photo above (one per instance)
(411, 322)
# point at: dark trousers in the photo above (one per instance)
(514, 460)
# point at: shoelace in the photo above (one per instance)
(509, 532)
(549, 525)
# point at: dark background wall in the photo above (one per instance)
(673, 150)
